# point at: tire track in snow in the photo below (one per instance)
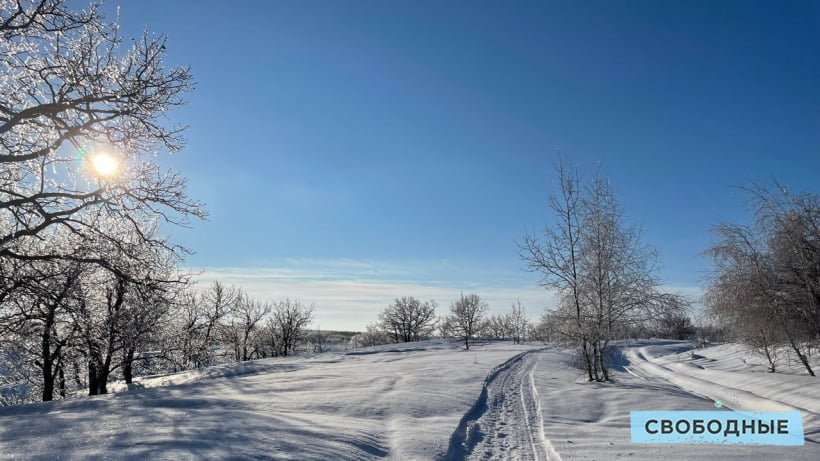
(643, 365)
(505, 422)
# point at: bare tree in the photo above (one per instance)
(620, 285)
(557, 257)
(467, 315)
(81, 119)
(444, 327)
(70, 95)
(408, 319)
(318, 340)
(286, 326)
(38, 322)
(545, 329)
(602, 271)
(517, 322)
(217, 303)
(199, 322)
(372, 336)
(147, 308)
(766, 280)
(243, 325)
(497, 326)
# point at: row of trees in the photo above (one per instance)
(89, 286)
(85, 274)
(223, 323)
(81, 327)
(765, 286)
(409, 319)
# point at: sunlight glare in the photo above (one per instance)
(104, 164)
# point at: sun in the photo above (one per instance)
(104, 164)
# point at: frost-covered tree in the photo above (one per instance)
(37, 324)
(518, 322)
(81, 115)
(408, 319)
(287, 327)
(766, 279)
(556, 256)
(467, 317)
(497, 327)
(372, 336)
(242, 329)
(200, 324)
(604, 275)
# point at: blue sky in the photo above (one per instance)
(352, 152)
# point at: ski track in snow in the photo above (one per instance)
(731, 392)
(505, 422)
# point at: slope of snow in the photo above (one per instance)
(398, 402)
(420, 401)
(590, 421)
(737, 389)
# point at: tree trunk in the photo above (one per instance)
(93, 378)
(801, 356)
(61, 374)
(48, 378)
(604, 368)
(47, 357)
(587, 361)
(128, 367)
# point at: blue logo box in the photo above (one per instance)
(722, 427)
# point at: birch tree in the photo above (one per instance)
(604, 275)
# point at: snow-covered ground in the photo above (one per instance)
(586, 421)
(402, 402)
(423, 401)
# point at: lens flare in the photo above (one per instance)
(104, 164)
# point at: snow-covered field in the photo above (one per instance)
(425, 401)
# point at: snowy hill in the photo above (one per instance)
(425, 401)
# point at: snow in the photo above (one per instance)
(590, 421)
(401, 402)
(418, 401)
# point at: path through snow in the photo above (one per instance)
(506, 421)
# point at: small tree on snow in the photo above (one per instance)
(517, 322)
(467, 316)
(408, 319)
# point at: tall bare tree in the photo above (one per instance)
(38, 319)
(604, 275)
(556, 256)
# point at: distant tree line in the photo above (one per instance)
(409, 319)
(81, 328)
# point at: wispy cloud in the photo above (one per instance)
(348, 294)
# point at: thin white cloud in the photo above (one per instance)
(350, 294)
